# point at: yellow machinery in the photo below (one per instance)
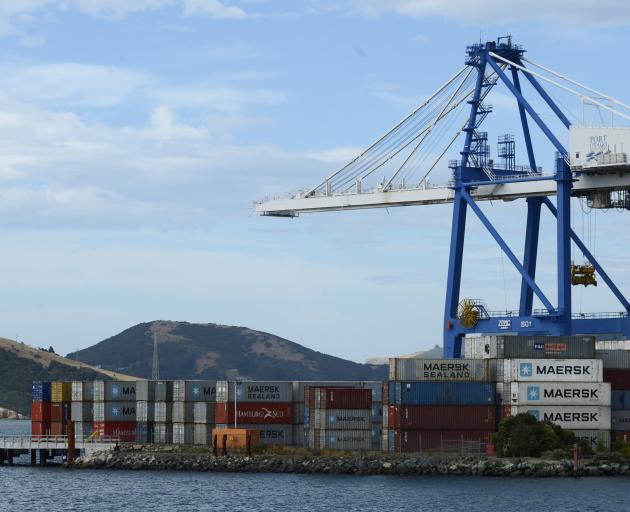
(583, 274)
(468, 313)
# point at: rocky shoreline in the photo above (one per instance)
(173, 458)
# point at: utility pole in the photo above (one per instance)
(155, 370)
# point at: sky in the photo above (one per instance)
(135, 137)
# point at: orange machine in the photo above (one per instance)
(235, 437)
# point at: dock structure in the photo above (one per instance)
(43, 449)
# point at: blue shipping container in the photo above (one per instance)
(620, 399)
(441, 393)
(41, 391)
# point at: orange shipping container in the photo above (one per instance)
(235, 437)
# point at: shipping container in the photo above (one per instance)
(620, 436)
(144, 411)
(338, 398)
(60, 412)
(621, 399)
(254, 391)
(163, 391)
(340, 439)
(377, 412)
(114, 412)
(144, 432)
(298, 413)
(612, 345)
(614, 358)
(278, 435)
(462, 441)
(300, 387)
(124, 431)
(517, 347)
(203, 412)
(442, 417)
(41, 391)
(40, 412)
(40, 428)
(163, 433)
(619, 378)
(83, 430)
(298, 435)
(595, 438)
(201, 434)
(385, 393)
(82, 411)
(500, 393)
(145, 390)
(183, 433)
(620, 420)
(569, 416)
(163, 412)
(58, 428)
(441, 393)
(183, 412)
(82, 391)
(61, 391)
(252, 413)
(114, 390)
(560, 393)
(557, 370)
(341, 419)
(441, 369)
(195, 391)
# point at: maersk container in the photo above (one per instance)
(201, 434)
(614, 358)
(203, 412)
(595, 438)
(82, 411)
(341, 419)
(144, 411)
(277, 435)
(407, 441)
(339, 439)
(183, 433)
(163, 391)
(195, 391)
(114, 411)
(145, 391)
(620, 420)
(41, 391)
(163, 412)
(83, 430)
(61, 391)
(557, 370)
(114, 390)
(442, 417)
(300, 387)
(441, 393)
(619, 378)
(516, 347)
(621, 399)
(560, 393)
(569, 416)
(183, 412)
(255, 391)
(441, 369)
(163, 433)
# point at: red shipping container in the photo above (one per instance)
(40, 428)
(506, 410)
(620, 437)
(254, 413)
(339, 398)
(40, 412)
(125, 431)
(452, 441)
(60, 411)
(619, 378)
(58, 428)
(442, 417)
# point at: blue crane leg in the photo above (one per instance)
(530, 254)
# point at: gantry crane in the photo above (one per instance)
(597, 169)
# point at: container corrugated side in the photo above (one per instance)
(200, 390)
(441, 369)
(203, 412)
(442, 417)
(125, 431)
(82, 391)
(61, 391)
(560, 393)
(620, 420)
(340, 439)
(569, 416)
(300, 387)
(442, 393)
(163, 412)
(145, 391)
(41, 411)
(144, 432)
(83, 429)
(114, 411)
(144, 411)
(60, 411)
(614, 358)
(183, 412)
(163, 391)
(612, 345)
(341, 419)
(41, 391)
(183, 433)
(255, 391)
(298, 435)
(115, 391)
(558, 370)
(595, 438)
(619, 378)
(163, 433)
(81, 411)
(408, 441)
(339, 398)
(201, 434)
(277, 435)
(250, 413)
(620, 399)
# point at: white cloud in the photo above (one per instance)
(213, 9)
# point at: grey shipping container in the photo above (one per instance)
(114, 390)
(255, 391)
(442, 369)
(518, 347)
(341, 419)
(620, 420)
(163, 433)
(83, 429)
(298, 435)
(298, 413)
(557, 370)
(195, 390)
(145, 391)
(377, 412)
(163, 412)
(203, 412)
(82, 411)
(614, 358)
(201, 434)
(144, 411)
(612, 345)
(183, 412)
(163, 390)
(114, 411)
(595, 438)
(340, 439)
(570, 416)
(183, 433)
(273, 434)
(559, 393)
(82, 391)
(375, 386)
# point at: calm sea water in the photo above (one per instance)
(51, 489)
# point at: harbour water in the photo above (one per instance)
(51, 489)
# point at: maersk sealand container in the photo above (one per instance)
(441, 393)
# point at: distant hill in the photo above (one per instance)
(433, 353)
(21, 364)
(212, 351)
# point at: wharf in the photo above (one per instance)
(43, 449)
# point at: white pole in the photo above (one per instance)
(234, 404)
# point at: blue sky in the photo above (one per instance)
(135, 136)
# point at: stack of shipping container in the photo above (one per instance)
(114, 409)
(194, 404)
(41, 409)
(82, 408)
(615, 356)
(60, 397)
(439, 404)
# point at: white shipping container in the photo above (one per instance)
(203, 412)
(82, 391)
(341, 419)
(163, 433)
(595, 438)
(201, 435)
(569, 416)
(183, 412)
(560, 393)
(183, 433)
(163, 412)
(144, 411)
(612, 345)
(560, 370)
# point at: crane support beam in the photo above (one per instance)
(532, 231)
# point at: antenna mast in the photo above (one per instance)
(155, 371)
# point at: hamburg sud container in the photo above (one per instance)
(195, 391)
(112, 390)
(82, 391)
(441, 369)
(124, 431)
(339, 398)
(254, 413)
(442, 417)
(341, 419)
(514, 347)
(203, 412)
(281, 435)
(82, 411)
(544, 370)
(568, 416)
(560, 393)
(435, 440)
(41, 391)
(268, 391)
(340, 439)
(114, 411)
(619, 378)
(441, 393)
